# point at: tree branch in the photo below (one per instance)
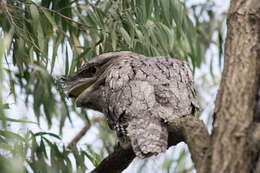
(188, 129)
(83, 131)
(116, 162)
(193, 132)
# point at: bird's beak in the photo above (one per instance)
(78, 86)
(86, 93)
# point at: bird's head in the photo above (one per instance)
(84, 84)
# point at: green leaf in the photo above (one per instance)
(41, 39)
(10, 135)
(35, 15)
(55, 50)
(220, 49)
(31, 55)
(16, 120)
(93, 18)
(66, 61)
(141, 12)
(126, 37)
(140, 35)
(166, 11)
(37, 27)
(50, 18)
(46, 133)
(94, 157)
(149, 8)
(211, 68)
(114, 40)
(42, 148)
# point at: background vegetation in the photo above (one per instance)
(42, 40)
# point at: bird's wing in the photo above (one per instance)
(176, 95)
(167, 85)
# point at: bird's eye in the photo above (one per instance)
(92, 70)
(88, 72)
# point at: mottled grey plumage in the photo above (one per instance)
(138, 95)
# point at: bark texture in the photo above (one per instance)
(233, 148)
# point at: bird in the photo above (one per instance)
(138, 95)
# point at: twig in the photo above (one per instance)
(83, 131)
(79, 136)
(61, 15)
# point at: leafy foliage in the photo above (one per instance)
(41, 40)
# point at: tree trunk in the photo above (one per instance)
(235, 139)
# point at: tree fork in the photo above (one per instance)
(188, 129)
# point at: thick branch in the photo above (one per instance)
(116, 162)
(192, 131)
(188, 129)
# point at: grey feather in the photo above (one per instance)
(139, 95)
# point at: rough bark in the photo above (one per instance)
(194, 133)
(231, 149)
(116, 162)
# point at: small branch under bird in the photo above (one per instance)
(137, 94)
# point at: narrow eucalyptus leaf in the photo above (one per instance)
(47, 133)
(126, 37)
(114, 40)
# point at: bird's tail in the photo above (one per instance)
(149, 136)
